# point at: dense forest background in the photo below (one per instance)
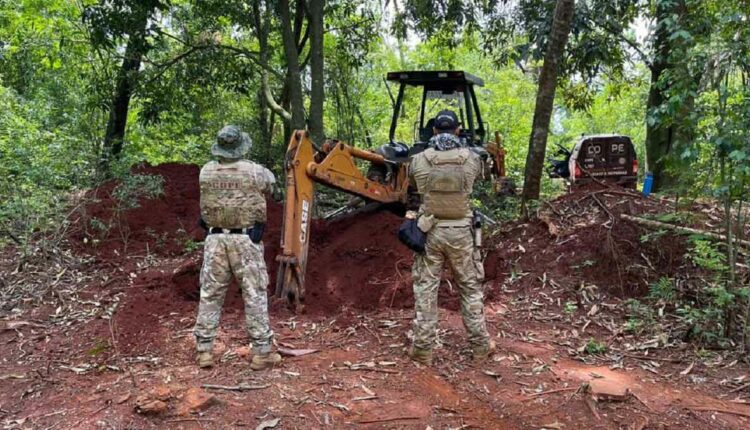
(89, 88)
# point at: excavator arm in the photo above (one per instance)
(501, 184)
(333, 165)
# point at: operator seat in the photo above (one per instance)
(426, 133)
(396, 152)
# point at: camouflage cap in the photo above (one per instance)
(231, 143)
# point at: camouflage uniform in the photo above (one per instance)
(450, 239)
(231, 198)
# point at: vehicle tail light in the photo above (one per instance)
(635, 166)
(578, 171)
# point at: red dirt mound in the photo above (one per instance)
(163, 226)
(579, 238)
(355, 261)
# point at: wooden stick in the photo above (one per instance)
(182, 420)
(241, 387)
(385, 420)
(592, 407)
(641, 357)
(740, 388)
(722, 410)
(75, 426)
(558, 390)
(688, 230)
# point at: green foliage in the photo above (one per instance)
(663, 289)
(192, 245)
(595, 347)
(570, 308)
(132, 187)
(652, 236)
(640, 316)
(705, 254)
(702, 307)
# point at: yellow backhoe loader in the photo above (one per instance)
(334, 164)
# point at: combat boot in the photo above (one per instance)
(422, 356)
(205, 359)
(481, 352)
(265, 361)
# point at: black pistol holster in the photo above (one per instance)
(256, 233)
(410, 235)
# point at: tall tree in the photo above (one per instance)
(545, 98)
(293, 69)
(317, 78)
(676, 80)
(113, 22)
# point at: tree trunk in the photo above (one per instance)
(118, 112)
(545, 99)
(294, 74)
(658, 136)
(317, 81)
(265, 138)
(665, 138)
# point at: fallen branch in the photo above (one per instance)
(543, 393)
(241, 387)
(687, 230)
(296, 352)
(368, 369)
(385, 420)
(722, 410)
(641, 357)
(740, 388)
(77, 423)
(592, 407)
(182, 420)
(637, 397)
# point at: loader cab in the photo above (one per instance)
(438, 90)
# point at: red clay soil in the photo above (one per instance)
(354, 262)
(94, 370)
(574, 241)
(162, 226)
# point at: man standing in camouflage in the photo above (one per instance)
(233, 208)
(444, 176)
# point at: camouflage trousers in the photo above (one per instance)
(456, 246)
(225, 255)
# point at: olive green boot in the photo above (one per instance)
(205, 359)
(422, 356)
(265, 361)
(482, 352)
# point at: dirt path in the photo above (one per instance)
(106, 342)
(55, 377)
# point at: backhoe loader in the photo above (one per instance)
(334, 164)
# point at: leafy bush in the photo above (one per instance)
(132, 187)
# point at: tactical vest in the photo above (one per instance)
(446, 187)
(232, 194)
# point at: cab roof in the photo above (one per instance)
(437, 78)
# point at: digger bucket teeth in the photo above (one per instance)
(290, 284)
